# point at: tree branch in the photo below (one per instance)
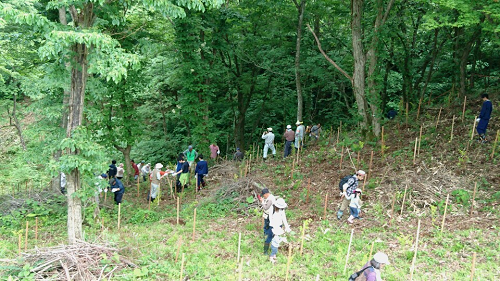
(326, 56)
(387, 11)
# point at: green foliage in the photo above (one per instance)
(461, 196)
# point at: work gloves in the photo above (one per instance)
(478, 119)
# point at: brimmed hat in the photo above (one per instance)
(158, 166)
(381, 258)
(361, 173)
(278, 231)
(280, 203)
(358, 190)
(270, 129)
(298, 122)
(288, 126)
(264, 191)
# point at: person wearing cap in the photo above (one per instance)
(268, 138)
(372, 270)
(120, 171)
(238, 155)
(156, 177)
(201, 171)
(190, 154)
(354, 205)
(277, 222)
(267, 201)
(299, 135)
(347, 189)
(289, 137)
(118, 189)
(136, 170)
(145, 170)
(484, 118)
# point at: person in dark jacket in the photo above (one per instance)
(118, 189)
(201, 171)
(112, 169)
(484, 118)
(238, 156)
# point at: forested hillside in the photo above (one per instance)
(396, 85)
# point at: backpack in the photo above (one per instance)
(343, 181)
(357, 274)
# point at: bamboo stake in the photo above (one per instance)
(415, 150)
(289, 261)
(341, 158)
(419, 140)
(382, 142)
(240, 271)
(338, 134)
(239, 248)
(412, 269)
(404, 197)
(370, 167)
(36, 230)
(302, 239)
(19, 243)
(439, 116)
(473, 269)
(170, 183)
(326, 203)
(179, 244)
(473, 127)
(119, 214)
(348, 250)
(26, 237)
(419, 103)
(194, 224)
(463, 110)
(495, 144)
(452, 125)
(178, 210)
(182, 267)
(371, 250)
(445, 209)
(159, 194)
(473, 199)
(308, 190)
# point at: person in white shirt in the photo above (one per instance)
(354, 205)
(269, 142)
(145, 171)
(278, 221)
(267, 201)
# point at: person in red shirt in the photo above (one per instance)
(136, 170)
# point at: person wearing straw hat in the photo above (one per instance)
(268, 138)
(348, 188)
(289, 137)
(267, 202)
(277, 222)
(299, 135)
(156, 177)
(372, 270)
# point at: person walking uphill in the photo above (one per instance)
(299, 135)
(136, 170)
(201, 171)
(190, 155)
(348, 185)
(277, 222)
(118, 189)
(289, 138)
(268, 138)
(372, 270)
(267, 201)
(484, 118)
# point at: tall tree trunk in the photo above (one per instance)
(464, 59)
(300, 100)
(359, 63)
(15, 122)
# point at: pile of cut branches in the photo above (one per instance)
(79, 261)
(242, 193)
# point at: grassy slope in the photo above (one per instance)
(442, 168)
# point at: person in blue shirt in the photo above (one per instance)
(201, 171)
(484, 118)
(118, 189)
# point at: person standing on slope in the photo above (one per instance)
(268, 138)
(348, 188)
(267, 201)
(484, 118)
(289, 138)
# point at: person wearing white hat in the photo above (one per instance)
(355, 205)
(299, 135)
(348, 185)
(145, 170)
(268, 138)
(371, 271)
(289, 137)
(155, 181)
(277, 221)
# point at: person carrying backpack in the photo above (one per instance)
(371, 271)
(347, 187)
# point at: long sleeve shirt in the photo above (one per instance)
(299, 132)
(355, 201)
(350, 185)
(486, 110)
(278, 219)
(136, 169)
(289, 135)
(269, 138)
(267, 205)
(201, 168)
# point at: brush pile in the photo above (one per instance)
(79, 261)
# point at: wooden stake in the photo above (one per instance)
(308, 190)
(326, 203)
(302, 239)
(382, 142)
(412, 269)
(415, 150)
(473, 127)
(341, 158)
(370, 167)
(194, 224)
(239, 248)
(371, 250)
(348, 250)
(404, 197)
(289, 261)
(445, 209)
(419, 103)
(338, 134)
(463, 110)
(473, 269)
(240, 271)
(473, 199)
(119, 214)
(178, 210)
(439, 116)
(182, 267)
(159, 195)
(179, 244)
(170, 183)
(419, 140)
(26, 237)
(495, 144)
(36, 230)
(19, 243)
(452, 125)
